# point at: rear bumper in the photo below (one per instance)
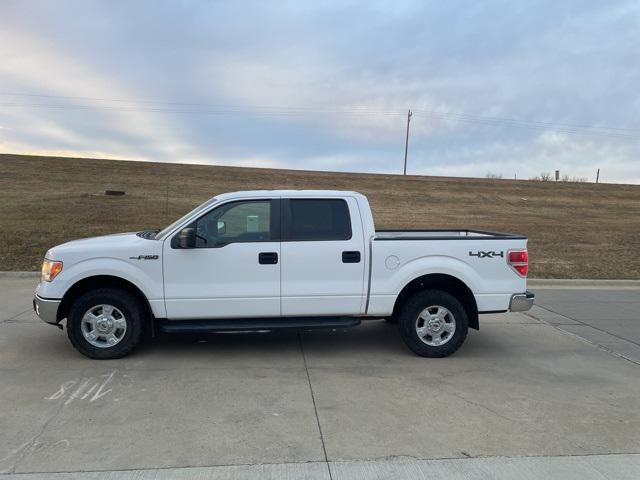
(46, 309)
(521, 302)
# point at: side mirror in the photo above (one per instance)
(222, 227)
(187, 238)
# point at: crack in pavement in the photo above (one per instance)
(15, 316)
(385, 458)
(315, 408)
(30, 444)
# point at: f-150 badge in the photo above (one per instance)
(145, 257)
(491, 254)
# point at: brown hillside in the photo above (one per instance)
(575, 230)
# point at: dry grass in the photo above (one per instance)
(575, 230)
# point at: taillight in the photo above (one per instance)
(519, 261)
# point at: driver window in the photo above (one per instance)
(247, 221)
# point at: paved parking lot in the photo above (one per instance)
(608, 317)
(524, 394)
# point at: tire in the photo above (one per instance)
(447, 330)
(116, 330)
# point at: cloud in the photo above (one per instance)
(53, 72)
(327, 85)
(573, 155)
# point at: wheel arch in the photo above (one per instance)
(101, 281)
(444, 282)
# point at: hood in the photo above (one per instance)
(121, 245)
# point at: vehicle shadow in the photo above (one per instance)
(373, 339)
(372, 336)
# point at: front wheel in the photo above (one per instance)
(105, 323)
(433, 323)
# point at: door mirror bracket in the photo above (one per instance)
(187, 238)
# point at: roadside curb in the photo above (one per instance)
(5, 274)
(581, 283)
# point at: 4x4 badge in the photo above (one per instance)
(491, 254)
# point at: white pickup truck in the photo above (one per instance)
(260, 260)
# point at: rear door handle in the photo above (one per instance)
(350, 257)
(268, 258)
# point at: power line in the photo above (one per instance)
(154, 106)
(524, 122)
(558, 128)
(197, 107)
(219, 110)
(210, 111)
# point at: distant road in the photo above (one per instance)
(607, 317)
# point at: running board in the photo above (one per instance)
(226, 324)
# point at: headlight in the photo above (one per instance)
(50, 269)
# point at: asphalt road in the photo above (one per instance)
(528, 396)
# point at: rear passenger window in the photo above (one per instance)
(318, 220)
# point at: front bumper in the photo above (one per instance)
(46, 309)
(521, 302)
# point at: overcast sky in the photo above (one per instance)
(508, 87)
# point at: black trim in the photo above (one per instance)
(489, 235)
(493, 311)
(275, 229)
(48, 299)
(222, 324)
(468, 230)
(275, 226)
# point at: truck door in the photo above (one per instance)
(234, 269)
(323, 261)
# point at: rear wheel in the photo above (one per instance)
(105, 323)
(433, 323)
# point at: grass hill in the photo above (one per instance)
(575, 230)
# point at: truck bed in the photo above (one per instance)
(480, 262)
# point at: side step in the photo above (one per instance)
(226, 324)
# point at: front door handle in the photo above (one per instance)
(350, 257)
(268, 258)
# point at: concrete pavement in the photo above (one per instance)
(594, 467)
(354, 404)
(607, 317)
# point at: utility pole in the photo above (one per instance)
(598, 176)
(406, 142)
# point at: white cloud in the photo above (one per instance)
(557, 63)
(573, 155)
(30, 61)
(321, 94)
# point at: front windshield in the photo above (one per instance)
(199, 208)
